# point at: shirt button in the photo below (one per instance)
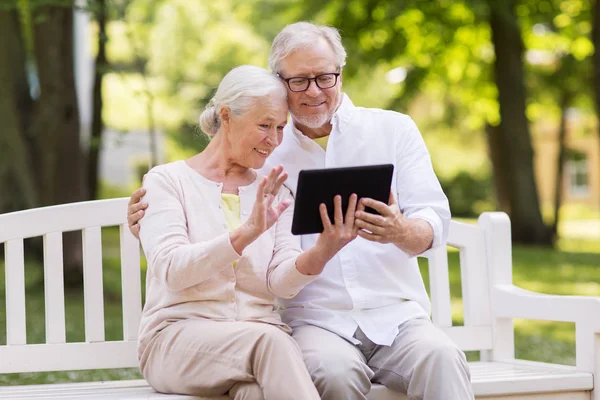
(225, 226)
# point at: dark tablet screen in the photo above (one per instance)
(316, 186)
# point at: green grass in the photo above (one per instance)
(572, 269)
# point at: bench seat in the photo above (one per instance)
(517, 379)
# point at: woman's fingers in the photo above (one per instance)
(272, 178)
(349, 218)
(337, 210)
(324, 217)
(260, 192)
(282, 206)
(279, 182)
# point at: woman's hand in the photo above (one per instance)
(334, 237)
(265, 212)
(343, 230)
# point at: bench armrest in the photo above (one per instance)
(510, 301)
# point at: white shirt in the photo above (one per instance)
(369, 285)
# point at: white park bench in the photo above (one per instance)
(490, 302)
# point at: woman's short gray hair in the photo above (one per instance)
(301, 35)
(239, 90)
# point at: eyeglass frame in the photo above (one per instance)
(287, 81)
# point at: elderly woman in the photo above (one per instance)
(219, 249)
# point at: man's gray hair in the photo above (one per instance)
(239, 90)
(302, 35)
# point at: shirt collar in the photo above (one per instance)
(341, 116)
(344, 112)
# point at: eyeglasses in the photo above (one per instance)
(301, 83)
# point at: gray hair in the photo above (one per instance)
(302, 35)
(239, 90)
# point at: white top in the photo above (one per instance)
(367, 284)
(191, 271)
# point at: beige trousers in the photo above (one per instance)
(422, 362)
(247, 360)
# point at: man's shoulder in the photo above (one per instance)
(381, 113)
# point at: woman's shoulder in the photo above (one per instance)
(170, 168)
(167, 175)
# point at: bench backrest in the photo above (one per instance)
(89, 217)
(56, 354)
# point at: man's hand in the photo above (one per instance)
(413, 236)
(388, 227)
(135, 211)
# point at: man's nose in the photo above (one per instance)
(313, 90)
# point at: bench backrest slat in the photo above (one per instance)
(439, 283)
(469, 239)
(54, 291)
(93, 294)
(16, 331)
(131, 283)
(474, 273)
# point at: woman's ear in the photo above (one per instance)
(225, 116)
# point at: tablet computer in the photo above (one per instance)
(316, 186)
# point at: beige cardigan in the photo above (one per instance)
(190, 257)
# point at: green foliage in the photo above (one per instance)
(181, 49)
(468, 194)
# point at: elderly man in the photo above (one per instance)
(366, 317)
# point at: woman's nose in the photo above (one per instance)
(273, 138)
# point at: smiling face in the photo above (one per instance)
(314, 107)
(253, 136)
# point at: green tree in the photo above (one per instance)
(435, 39)
(42, 162)
(596, 58)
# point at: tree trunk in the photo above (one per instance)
(499, 167)
(560, 162)
(527, 224)
(56, 125)
(97, 123)
(596, 59)
(16, 173)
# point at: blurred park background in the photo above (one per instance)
(505, 92)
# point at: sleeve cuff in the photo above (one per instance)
(436, 223)
(291, 281)
(225, 248)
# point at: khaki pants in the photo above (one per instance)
(247, 360)
(422, 362)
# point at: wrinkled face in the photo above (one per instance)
(314, 107)
(254, 135)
